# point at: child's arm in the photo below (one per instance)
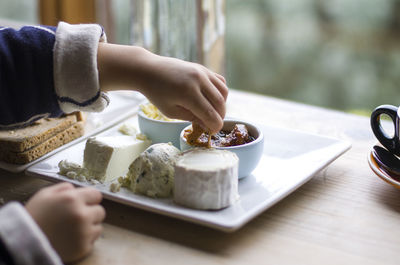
(48, 71)
(26, 75)
(179, 89)
(22, 241)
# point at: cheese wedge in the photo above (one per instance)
(152, 173)
(206, 178)
(109, 157)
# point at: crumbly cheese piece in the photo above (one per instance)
(73, 170)
(152, 173)
(206, 178)
(109, 157)
(128, 129)
(65, 166)
(124, 181)
(115, 187)
(141, 136)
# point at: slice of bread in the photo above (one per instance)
(24, 145)
(56, 140)
(23, 139)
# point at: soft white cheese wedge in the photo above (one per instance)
(109, 157)
(152, 173)
(206, 178)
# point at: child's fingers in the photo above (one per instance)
(97, 230)
(90, 195)
(205, 112)
(97, 213)
(187, 115)
(182, 113)
(220, 77)
(220, 85)
(61, 186)
(214, 97)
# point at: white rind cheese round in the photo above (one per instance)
(206, 178)
(152, 173)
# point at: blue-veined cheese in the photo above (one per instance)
(206, 178)
(152, 173)
(109, 157)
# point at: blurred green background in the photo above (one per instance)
(340, 54)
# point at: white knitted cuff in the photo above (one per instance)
(23, 238)
(76, 77)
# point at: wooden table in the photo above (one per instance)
(344, 215)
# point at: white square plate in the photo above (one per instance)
(123, 104)
(290, 159)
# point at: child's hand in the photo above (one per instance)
(180, 89)
(186, 91)
(70, 217)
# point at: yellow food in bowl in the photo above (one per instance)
(153, 112)
(154, 125)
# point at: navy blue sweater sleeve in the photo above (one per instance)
(26, 76)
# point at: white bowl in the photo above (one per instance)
(249, 154)
(161, 131)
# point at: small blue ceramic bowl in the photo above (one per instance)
(249, 154)
(161, 131)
